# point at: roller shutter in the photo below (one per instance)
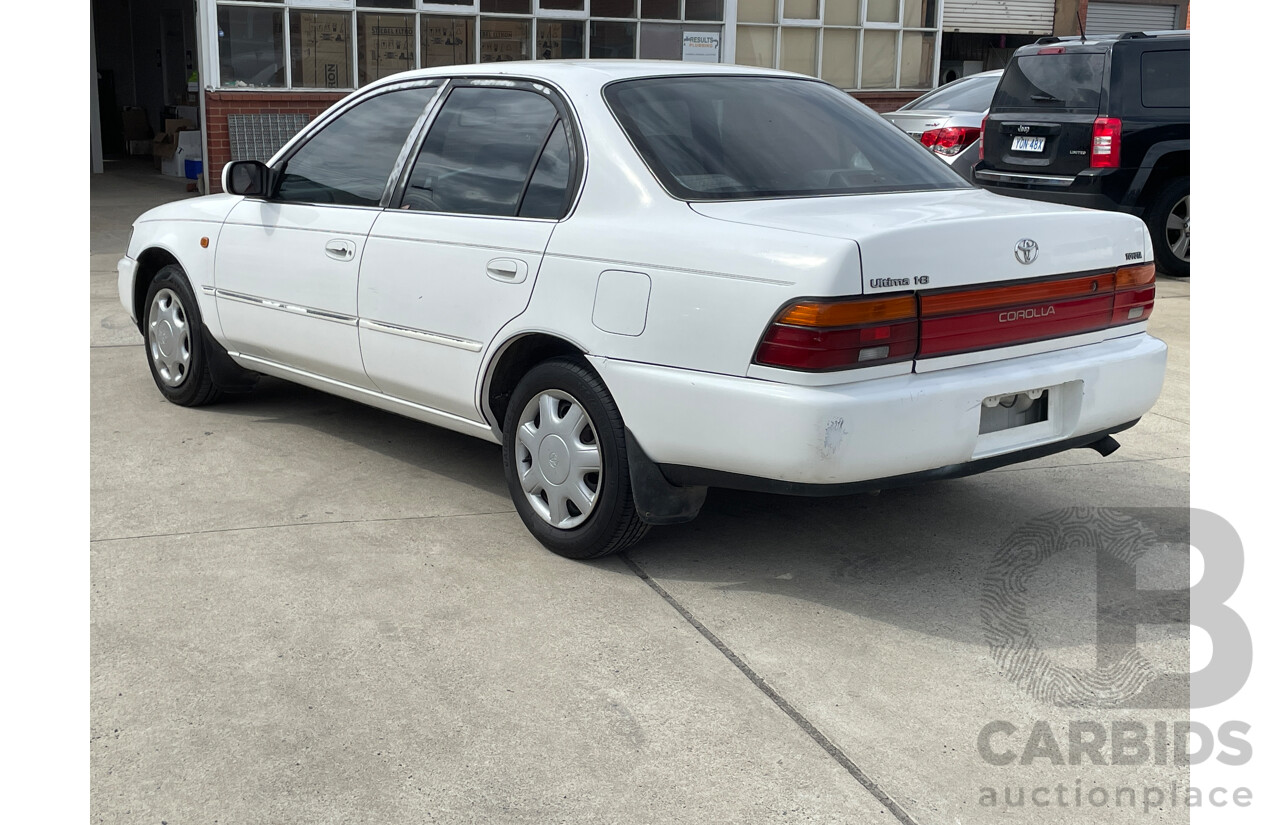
(1117, 18)
(998, 16)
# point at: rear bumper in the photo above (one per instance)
(1099, 189)
(721, 430)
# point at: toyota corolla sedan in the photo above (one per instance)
(645, 279)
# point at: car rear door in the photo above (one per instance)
(457, 256)
(1042, 115)
(286, 268)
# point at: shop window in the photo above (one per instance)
(250, 46)
(350, 160)
(386, 45)
(917, 60)
(559, 39)
(612, 39)
(447, 41)
(757, 11)
(659, 10)
(613, 8)
(920, 14)
(562, 5)
(507, 6)
(502, 40)
(800, 9)
(703, 9)
(879, 58)
(665, 41)
(882, 11)
(755, 46)
(841, 13)
(840, 57)
(799, 50)
(320, 50)
(390, 4)
(477, 156)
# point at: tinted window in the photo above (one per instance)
(1052, 82)
(480, 151)
(720, 138)
(549, 186)
(1166, 79)
(349, 161)
(967, 95)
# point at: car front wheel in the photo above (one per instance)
(175, 340)
(565, 456)
(1169, 221)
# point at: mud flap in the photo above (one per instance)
(658, 501)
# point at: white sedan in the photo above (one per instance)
(644, 279)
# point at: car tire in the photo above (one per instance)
(565, 457)
(1169, 221)
(175, 342)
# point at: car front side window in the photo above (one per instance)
(350, 160)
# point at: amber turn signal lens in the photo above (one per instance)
(204, 243)
(1128, 277)
(848, 313)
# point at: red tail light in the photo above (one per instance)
(982, 139)
(1105, 152)
(951, 140)
(823, 335)
(838, 335)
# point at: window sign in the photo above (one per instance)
(701, 47)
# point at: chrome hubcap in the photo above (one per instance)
(1177, 229)
(169, 338)
(558, 459)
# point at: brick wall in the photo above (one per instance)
(220, 104)
(886, 101)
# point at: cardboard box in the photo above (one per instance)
(139, 147)
(166, 143)
(386, 45)
(324, 48)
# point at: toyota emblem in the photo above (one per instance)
(1026, 251)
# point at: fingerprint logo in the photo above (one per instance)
(1006, 604)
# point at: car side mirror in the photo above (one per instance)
(251, 178)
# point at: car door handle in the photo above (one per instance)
(340, 250)
(508, 270)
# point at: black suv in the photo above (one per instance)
(1101, 122)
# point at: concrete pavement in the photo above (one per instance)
(309, 611)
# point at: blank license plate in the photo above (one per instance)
(1028, 144)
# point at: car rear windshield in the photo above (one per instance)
(966, 95)
(742, 138)
(1070, 82)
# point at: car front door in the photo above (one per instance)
(287, 267)
(456, 260)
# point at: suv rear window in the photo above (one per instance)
(742, 138)
(1166, 79)
(1070, 82)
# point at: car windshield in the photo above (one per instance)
(970, 94)
(1052, 82)
(740, 138)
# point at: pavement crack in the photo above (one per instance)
(296, 524)
(832, 749)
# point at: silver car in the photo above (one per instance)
(948, 119)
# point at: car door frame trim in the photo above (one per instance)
(421, 335)
(292, 309)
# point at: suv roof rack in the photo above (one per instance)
(1046, 40)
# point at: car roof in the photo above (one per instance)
(1103, 41)
(586, 75)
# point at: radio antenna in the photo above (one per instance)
(1081, 22)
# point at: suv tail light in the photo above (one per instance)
(950, 140)
(982, 138)
(1105, 151)
(822, 335)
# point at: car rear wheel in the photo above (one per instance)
(1169, 220)
(175, 341)
(565, 457)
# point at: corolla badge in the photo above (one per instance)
(1026, 251)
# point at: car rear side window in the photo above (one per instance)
(741, 138)
(1166, 79)
(349, 161)
(967, 95)
(481, 151)
(1069, 82)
